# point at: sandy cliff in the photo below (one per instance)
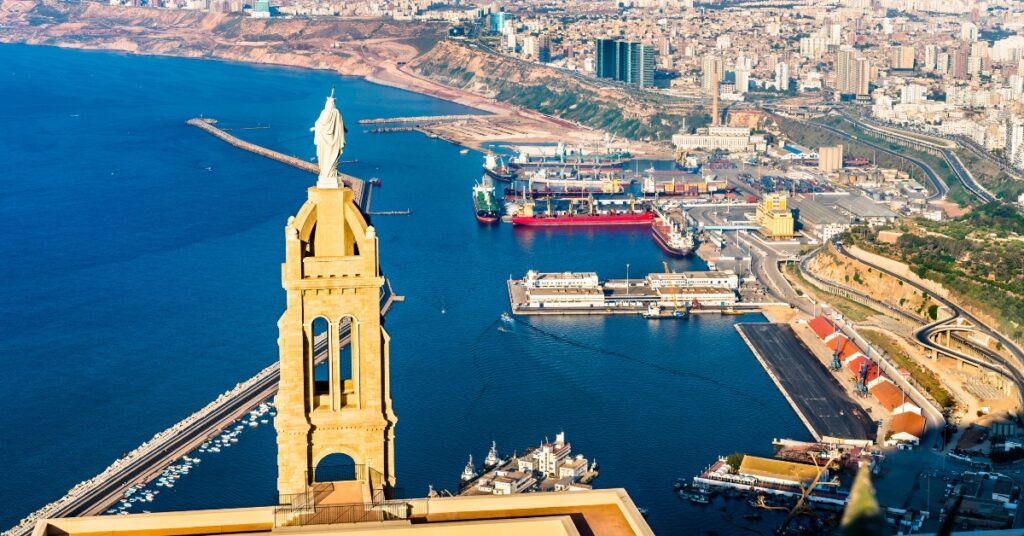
(348, 46)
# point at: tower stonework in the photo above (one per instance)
(332, 278)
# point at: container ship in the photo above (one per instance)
(485, 205)
(581, 212)
(494, 166)
(674, 238)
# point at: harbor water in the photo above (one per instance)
(141, 278)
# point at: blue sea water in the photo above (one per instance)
(140, 278)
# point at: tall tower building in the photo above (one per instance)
(853, 73)
(625, 61)
(333, 283)
(782, 76)
(607, 54)
(901, 58)
(931, 53)
(742, 81)
(641, 65)
(712, 71)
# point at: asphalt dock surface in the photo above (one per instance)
(818, 398)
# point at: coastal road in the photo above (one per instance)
(818, 398)
(101, 495)
(939, 188)
(968, 181)
(1012, 368)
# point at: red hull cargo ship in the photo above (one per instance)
(581, 212)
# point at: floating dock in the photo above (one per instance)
(819, 400)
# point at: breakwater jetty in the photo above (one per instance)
(148, 461)
(419, 119)
(209, 126)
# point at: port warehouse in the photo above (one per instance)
(584, 291)
(908, 422)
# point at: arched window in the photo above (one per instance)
(348, 333)
(319, 332)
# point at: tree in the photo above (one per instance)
(734, 460)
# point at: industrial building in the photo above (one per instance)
(774, 217)
(830, 159)
(730, 139)
(818, 219)
(720, 278)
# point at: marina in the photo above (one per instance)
(549, 466)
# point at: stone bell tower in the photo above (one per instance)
(332, 278)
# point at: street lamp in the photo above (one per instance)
(627, 279)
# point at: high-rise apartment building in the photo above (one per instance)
(742, 81)
(812, 47)
(901, 58)
(544, 48)
(782, 76)
(969, 32)
(853, 73)
(931, 56)
(625, 61)
(712, 72)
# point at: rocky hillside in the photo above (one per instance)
(872, 282)
(554, 92)
(311, 43)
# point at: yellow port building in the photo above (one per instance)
(774, 217)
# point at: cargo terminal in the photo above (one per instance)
(656, 294)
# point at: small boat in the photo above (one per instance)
(464, 151)
(505, 317)
(700, 498)
(375, 182)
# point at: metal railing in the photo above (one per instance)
(297, 516)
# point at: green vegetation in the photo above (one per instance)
(927, 379)
(933, 311)
(850, 309)
(561, 95)
(734, 460)
(979, 257)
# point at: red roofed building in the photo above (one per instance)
(847, 348)
(906, 427)
(887, 394)
(823, 327)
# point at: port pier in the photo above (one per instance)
(820, 402)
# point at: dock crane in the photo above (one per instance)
(836, 364)
(802, 506)
(679, 309)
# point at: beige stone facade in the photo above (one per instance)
(331, 272)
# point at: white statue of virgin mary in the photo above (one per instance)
(329, 137)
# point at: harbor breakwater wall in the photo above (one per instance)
(258, 388)
(209, 126)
